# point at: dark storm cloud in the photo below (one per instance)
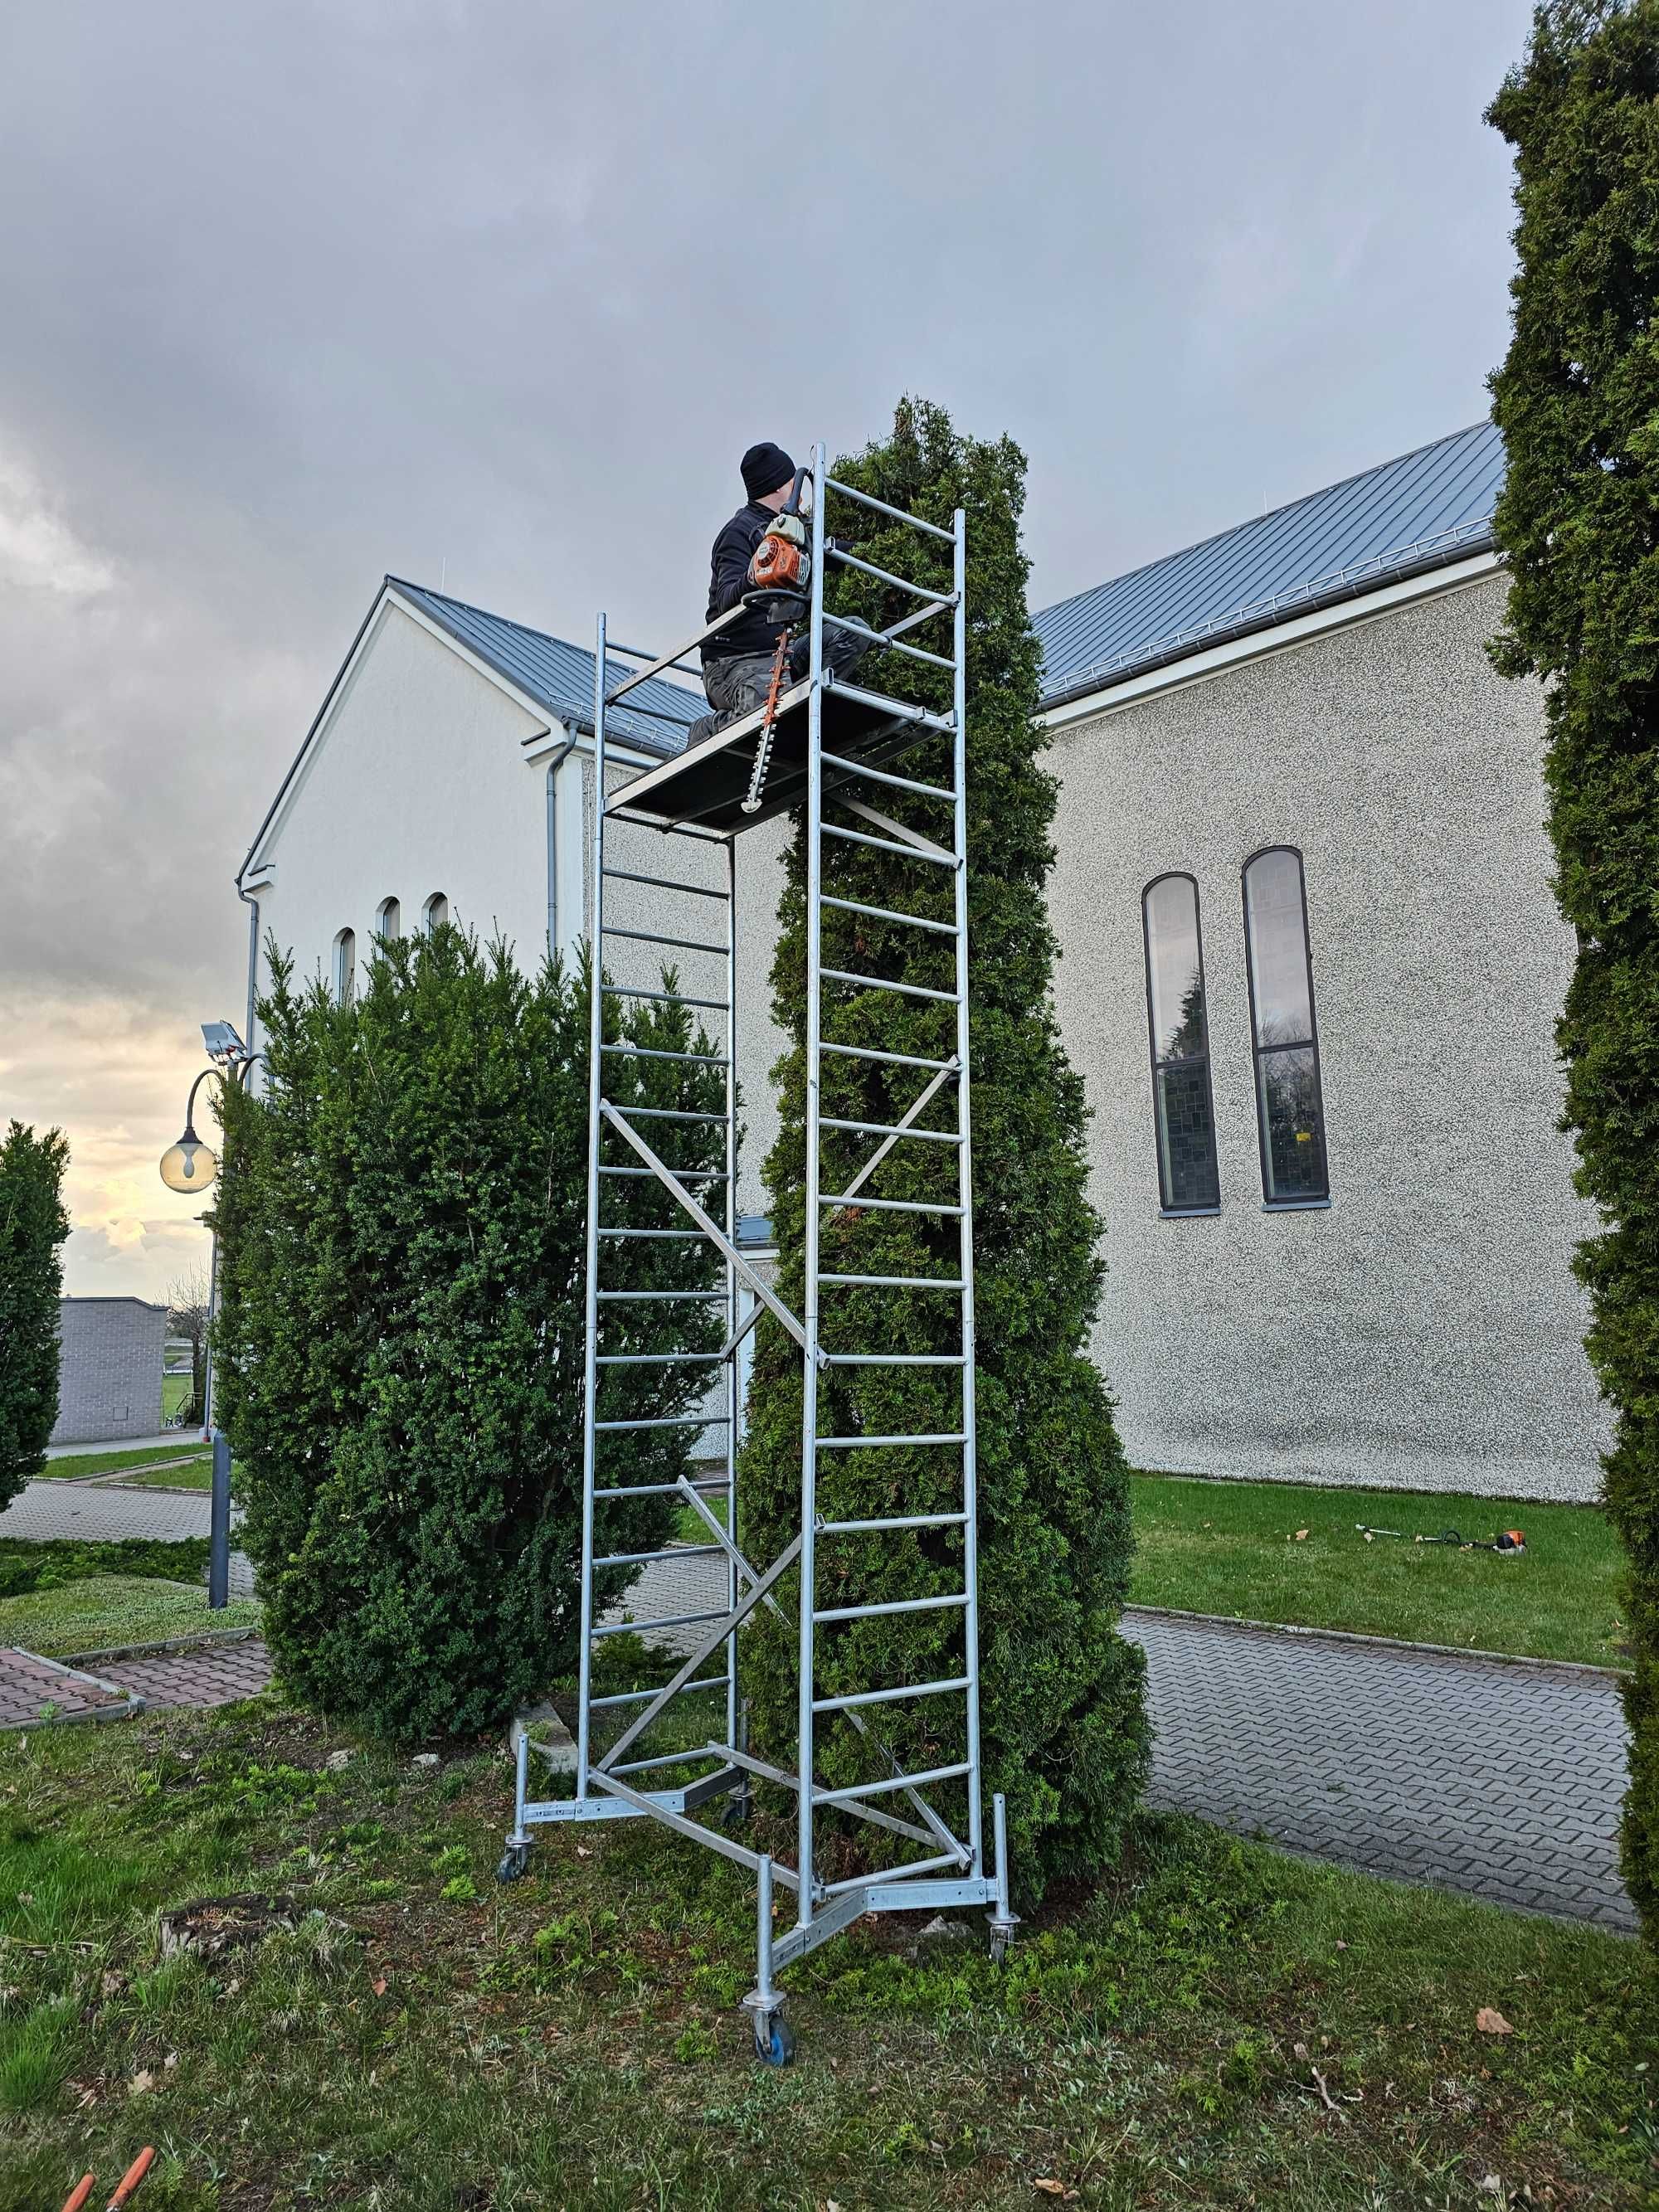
(294, 295)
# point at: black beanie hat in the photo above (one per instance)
(764, 468)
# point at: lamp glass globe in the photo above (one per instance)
(189, 1166)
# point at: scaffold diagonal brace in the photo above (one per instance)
(716, 1236)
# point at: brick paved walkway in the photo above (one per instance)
(1502, 1781)
(212, 1674)
(28, 1684)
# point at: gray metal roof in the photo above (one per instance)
(560, 676)
(1419, 512)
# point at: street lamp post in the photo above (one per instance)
(190, 1167)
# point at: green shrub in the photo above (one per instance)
(1577, 401)
(1064, 1732)
(51, 1564)
(399, 1348)
(32, 1227)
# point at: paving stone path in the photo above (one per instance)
(1470, 1774)
(211, 1674)
(1466, 1773)
(30, 1686)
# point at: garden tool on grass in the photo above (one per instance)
(1508, 1543)
(79, 2196)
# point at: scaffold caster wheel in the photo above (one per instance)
(775, 2043)
(514, 1863)
(735, 1811)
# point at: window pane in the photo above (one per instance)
(1182, 1110)
(1175, 972)
(1279, 950)
(1292, 1124)
(1186, 1137)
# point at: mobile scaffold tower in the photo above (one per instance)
(826, 742)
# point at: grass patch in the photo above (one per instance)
(100, 1611)
(410, 2033)
(192, 1474)
(1231, 1548)
(175, 1395)
(79, 1467)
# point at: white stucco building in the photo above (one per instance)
(1310, 962)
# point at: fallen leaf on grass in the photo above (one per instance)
(1301, 1536)
(140, 2082)
(1491, 2021)
(1050, 2188)
(379, 1985)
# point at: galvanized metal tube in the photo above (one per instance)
(883, 776)
(809, 1461)
(520, 1788)
(733, 1407)
(886, 845)
(889, 914)
(890, 1521)
(886, 1787)
(965, 1188)
(662, 884)
(590, 1379)
(765, 1991)
(886, 576)
(891, 1605)
(884, 983)
(891, 1697)
(857, 1444)
(891, 1059)
(895, 1282)
(880, 506)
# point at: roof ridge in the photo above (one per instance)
(1268, 514)
(470, 607)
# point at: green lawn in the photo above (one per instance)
(105, 1611)
(1232, 1548)
(424, 2040)
(192, 1474)
(75, 1467)
(175, 1395)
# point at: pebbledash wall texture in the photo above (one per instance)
(1425, 1330)
(110, 1375)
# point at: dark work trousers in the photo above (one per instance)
(737, 685)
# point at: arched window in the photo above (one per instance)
(435, 910)
(1183, 1112)
(1289, 1105)
(389, 918)
(345, 966)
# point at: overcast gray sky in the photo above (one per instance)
(496, 291)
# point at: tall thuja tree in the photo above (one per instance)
(32, 1227)
(1577, 401)
(400, 1343)
(1064, 1731)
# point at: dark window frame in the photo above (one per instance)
(1177, 1212)
(1259, 1052)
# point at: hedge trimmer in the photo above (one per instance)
(1508, 1543)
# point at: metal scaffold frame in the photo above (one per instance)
(744, 773)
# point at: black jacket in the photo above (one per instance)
(728, 579)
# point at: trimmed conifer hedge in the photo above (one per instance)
(32, 1227)
(399, 1347)
(1064, 1734)
(1577, 401)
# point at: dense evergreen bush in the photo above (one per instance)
(33, 1226)
(399, 1346)
(1577, 401)
(1063, 1730)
